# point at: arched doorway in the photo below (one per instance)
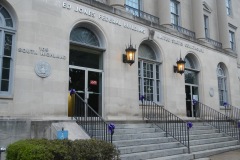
(191, 85)
(86, 66)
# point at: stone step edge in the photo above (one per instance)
(211, 152)
(175, 157)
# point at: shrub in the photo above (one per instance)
(43, 149)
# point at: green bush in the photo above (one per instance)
(43, 149)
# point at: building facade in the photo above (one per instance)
(48, 47)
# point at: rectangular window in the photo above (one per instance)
(133, 6)
(228, 5)
(149, 81)
(6, 61)
(206, 26)
(133, 3)
(232, 40)
(174, 12)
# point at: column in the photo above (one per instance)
(164, 12)
(223, 23)
(198, 20)
(117, 3)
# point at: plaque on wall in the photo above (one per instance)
(43, 69)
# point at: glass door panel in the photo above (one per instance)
(195, 97)
(77, 81)
(188, 101)
(95, 90)
(191, 94)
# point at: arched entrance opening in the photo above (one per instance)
(149, 72)
(191, 84)
(86, 66)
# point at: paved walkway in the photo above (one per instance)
(232, 155)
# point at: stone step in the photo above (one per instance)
(204, 127)
(175, 157)
(128, 131)
(153, 154)
(205, 136)
(210, 140)
(197, 132)
(136, 142)
(207, 153)
(213, 146)
(151, 147)
(134, 125)
(138, 136)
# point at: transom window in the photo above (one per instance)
(174, 7)
(191, 73)
(148, 74)
(84, 36)
(228, 5)
(222, 85)
(232, 40)
(6, 52)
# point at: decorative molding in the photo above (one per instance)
(206, 7)
(232, 26)
(151, 34)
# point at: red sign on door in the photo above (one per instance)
(93, 82)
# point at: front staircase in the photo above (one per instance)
(143, 141)
(163, 135)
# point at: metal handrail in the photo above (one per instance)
(167, 121)
(232, 112)
(184, 30)
(218, 120)
(213, 42)
(138, 13)
(90, 120)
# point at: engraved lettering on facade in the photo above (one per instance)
(176, 42)
(42, 52)
(109, 19)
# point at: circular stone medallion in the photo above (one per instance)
(43, 69)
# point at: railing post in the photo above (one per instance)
(218, 123)
(188, 140)
(166, 124)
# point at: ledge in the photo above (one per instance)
(169, 31)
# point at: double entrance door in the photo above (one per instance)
(191, 94)
(88, 84)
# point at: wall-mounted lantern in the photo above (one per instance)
(129, 57)
(180, 66)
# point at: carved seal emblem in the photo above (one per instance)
(43, 69)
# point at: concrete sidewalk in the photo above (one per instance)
(232, 155)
